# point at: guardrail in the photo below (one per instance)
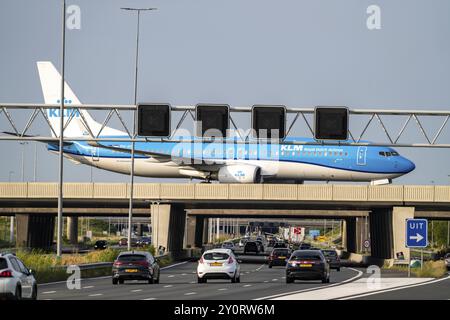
(241, 192)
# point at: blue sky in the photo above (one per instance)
(297, 53)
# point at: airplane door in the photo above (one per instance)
(95, 155)
(361, 156)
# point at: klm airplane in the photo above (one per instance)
(227, 161)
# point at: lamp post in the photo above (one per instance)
(11, 220)
(130, 208)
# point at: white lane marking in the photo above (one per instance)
(222, 289)
(190, 293)
(52, 299)
(265, 281)
(395, 289)
(360, 273)
(149, 299)
(184, 274)
(137, 290)
(171, 276)
(88, 287)
(48, 292)
(108, 277)
(192, 282)
(168, 286)
(246, 285)
(283, 277)
(95, 294)
(274, 279)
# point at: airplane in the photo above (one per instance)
(225, 161)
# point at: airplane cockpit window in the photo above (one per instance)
(395, 154)
(382, 153)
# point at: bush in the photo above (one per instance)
(431, 269)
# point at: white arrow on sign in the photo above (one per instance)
(417, 237)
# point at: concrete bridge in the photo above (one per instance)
(179, 211)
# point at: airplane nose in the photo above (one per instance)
(408, 165)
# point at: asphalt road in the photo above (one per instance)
(180, 283)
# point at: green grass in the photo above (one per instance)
(431, 269)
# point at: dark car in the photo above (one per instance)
(304, 246)
(271, 243)
(278, 257)
(260, 244)
(251, 246)
(280, 245)
(144, 241)
(100, 245)
(333, 259)
(307, 265)
(135, 265)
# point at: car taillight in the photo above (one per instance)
(201, 260)
(230, 260)
(6, 274)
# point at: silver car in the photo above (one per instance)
(16, 280)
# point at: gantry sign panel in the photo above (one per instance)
(436, 135)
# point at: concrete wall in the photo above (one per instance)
(168, 226)
(35, 231)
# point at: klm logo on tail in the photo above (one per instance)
(69, 112)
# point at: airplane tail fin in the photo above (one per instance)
(51, 89)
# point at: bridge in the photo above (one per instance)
(179, 211)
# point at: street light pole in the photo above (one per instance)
(61, 135)
(130, 208)
(23, 160)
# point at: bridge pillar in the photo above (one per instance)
(350, 235)
(195, 231)
(168, 225)
(35, 231)
(72, 230)
(387, 229)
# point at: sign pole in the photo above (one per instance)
(421, 258)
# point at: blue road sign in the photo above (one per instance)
(416, 233)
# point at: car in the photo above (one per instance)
(144, 241)
(16, 280)
(135, 265)
(447, 260)
(304, 246)
(278, 257)
(271, 243)
(228, 245)
(261, 245)
(280, 245)
(307, 265)
(124, 242)
(242, 242)
(100, 245)
(251, 246)
(218, 264)
(332, 258)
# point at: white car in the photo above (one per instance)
(218, 264)
(16, 280)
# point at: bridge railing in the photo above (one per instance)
(239, 192)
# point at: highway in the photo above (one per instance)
(179, 282)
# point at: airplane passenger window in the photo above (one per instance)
(381, 153)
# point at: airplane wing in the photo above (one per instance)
(66, 143)
(162, 157)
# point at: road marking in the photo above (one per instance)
(265, 281)
(149, 299)
(394, 289)
(48, 292)
(190, 293)
(246, 285)
(95, 294)
(88, 287)
(222, 289)
(192, 282)
(137, 290)
(171, 276)
(274, 279)
(184, 274)
(283, 277)
(360, 273)
(168, 286)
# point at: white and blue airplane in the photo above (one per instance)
(226, 161)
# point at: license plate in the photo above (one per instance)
(281, 257)
(306, 265)
(216, 264)
(131, 270)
